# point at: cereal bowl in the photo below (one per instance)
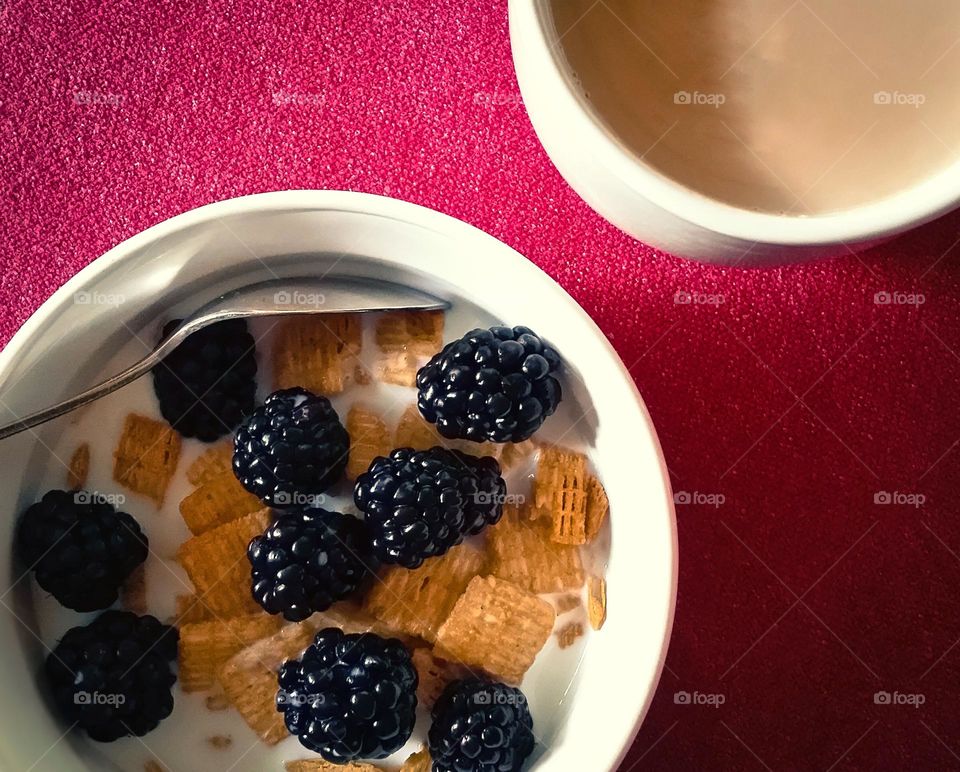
(587, 700)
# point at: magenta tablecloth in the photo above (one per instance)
(787, 407)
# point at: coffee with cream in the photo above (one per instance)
(787, 106)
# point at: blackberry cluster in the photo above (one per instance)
(209, 382)
(112, 678)
(307, 560)
(350, 696)
(80, 548)
(482, 726)
(498, 385)
(291, 449)
(419, 503)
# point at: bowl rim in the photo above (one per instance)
(409, 213)
(913, 206)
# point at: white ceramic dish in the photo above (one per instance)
(659, 210)
(68, 341)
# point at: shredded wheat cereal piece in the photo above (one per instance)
(567, 603)
(220, 741)
(559, 492)
(206, 646)
(79, 468)
(217, 501)
(214, 461)
(418, 601)
(521, 552)
(133, 592)
(319, 765)
(597, 507)
(596, 601)
(513, 453)
(497, 627)
(146, 456)
(418, 762)
(568, 634)
(406, 339)
(312, 351)
(369, 438)
(434, 675)
(216, 562)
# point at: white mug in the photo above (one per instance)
(748, 132)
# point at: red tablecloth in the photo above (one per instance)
(788, 407)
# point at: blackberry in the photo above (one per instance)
(112, 677)
(482, 726)
(419, 503)
(291, 449)
(80, 548)
(498, 384)
(349, 696)
(209, 382)
(307, 560)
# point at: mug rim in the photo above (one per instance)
(912, 206)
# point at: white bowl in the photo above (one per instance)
(67, 342)
(658, 210)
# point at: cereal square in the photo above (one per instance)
(597, 507)
(559, 492)
(596, 601)
(319, 765)
(418, 601)
(568, 634)
(146, 456)
(316, 351)
(217, 501)
(418, 762)
(79, 467)
(407, 339)
(521, 552)
(369, 438)
(496, 626)
(216, 562)
(206, 646)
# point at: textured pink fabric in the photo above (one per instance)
(797, 399)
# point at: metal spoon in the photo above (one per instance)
(271, 298)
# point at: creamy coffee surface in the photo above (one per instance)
(786, 106)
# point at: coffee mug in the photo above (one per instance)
(748, 132)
